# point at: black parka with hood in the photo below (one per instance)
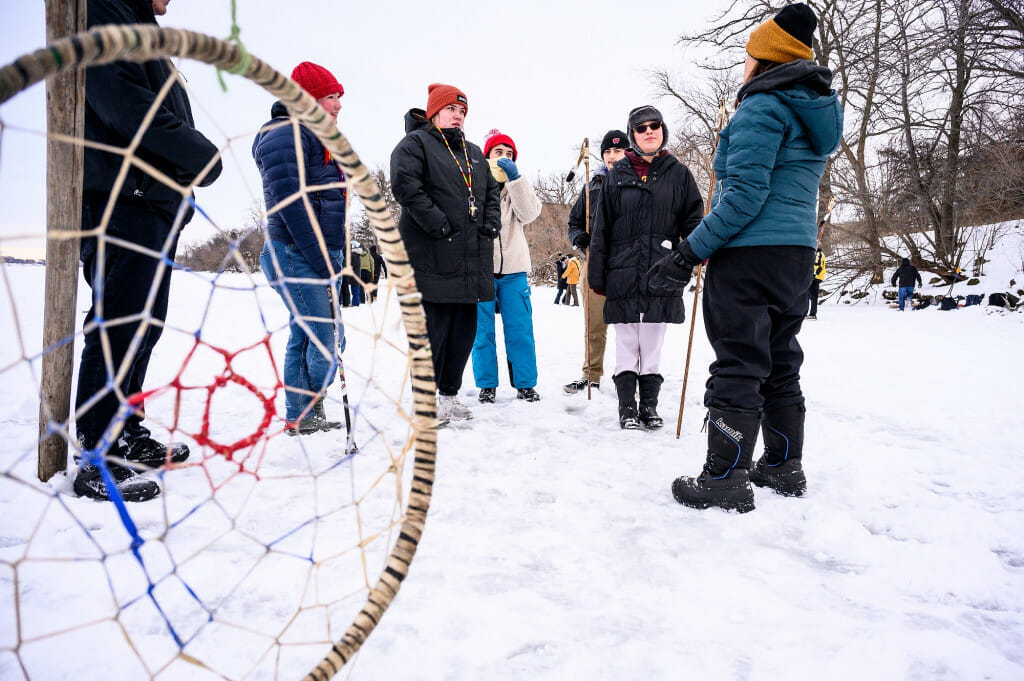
(452, 258)
(634, 218)
(118, 98)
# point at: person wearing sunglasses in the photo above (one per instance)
(648, 198)
(450, 218)
(760, 236)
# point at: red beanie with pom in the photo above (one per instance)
(496, 137)
(316, 80)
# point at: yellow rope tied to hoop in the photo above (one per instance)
(245, 57)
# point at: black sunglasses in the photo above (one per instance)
(644, 127)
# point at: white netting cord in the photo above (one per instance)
(251, 541)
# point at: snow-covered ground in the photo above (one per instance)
(553, 547)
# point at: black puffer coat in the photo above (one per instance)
(117, 98)
(578, 214)
(277, 158)
(633, 219)
(452, 260)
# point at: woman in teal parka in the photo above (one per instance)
(759, 240)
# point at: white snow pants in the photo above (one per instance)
(638, 347)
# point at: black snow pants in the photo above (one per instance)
(451, 328)
(123, 279)
(755, 299)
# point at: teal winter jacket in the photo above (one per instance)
(770, 160)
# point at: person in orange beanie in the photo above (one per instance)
(450, 217)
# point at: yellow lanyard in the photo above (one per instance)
(467, 176)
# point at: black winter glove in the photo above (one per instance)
(671, 274)
(582, 241)
(488, 232)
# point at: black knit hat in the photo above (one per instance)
(799, 21)
(642, 114)
(786, 37)
(614, 139)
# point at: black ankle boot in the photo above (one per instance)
(625, 386)
(650, 386)
(139, 447)
(724, 482)
(780, 468)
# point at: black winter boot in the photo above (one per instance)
(321, 415)
(650, 386)
(781, 466)
(128, 483)
(139, 447)
(625, 386)
(724, 481)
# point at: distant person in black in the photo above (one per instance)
(379, 269)
(117, 98)
(905, 275)
(560, 265)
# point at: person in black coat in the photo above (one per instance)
(613, 148)
(560, 265)
(379, 269)
(146, 213)
(905, 276)
(450, 217)
(648, 198)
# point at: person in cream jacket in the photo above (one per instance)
(519, 207)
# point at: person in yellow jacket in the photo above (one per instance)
(819, 276)
(572, 277)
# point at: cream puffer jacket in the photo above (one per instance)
(519, 207)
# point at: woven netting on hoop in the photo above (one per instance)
(264, 555)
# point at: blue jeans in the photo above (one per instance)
(906, 293)
(308, 369)
(512, 293)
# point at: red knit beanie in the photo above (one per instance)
(440, 95)
(496, 137)
(316, 80)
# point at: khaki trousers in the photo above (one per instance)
(597, 330)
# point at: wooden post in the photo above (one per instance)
(65, 114)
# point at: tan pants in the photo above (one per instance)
(597, 331)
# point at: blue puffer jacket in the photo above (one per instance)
(770, 160)
(274, 153)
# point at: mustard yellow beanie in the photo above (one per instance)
(786, 37)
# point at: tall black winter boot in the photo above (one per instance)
(781, 466)
(625, 386)
(650, 386)
(724, 481)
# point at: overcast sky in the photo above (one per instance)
(547, 73)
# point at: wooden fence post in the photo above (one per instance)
(65, 113)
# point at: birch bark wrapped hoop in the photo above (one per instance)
(140, 43)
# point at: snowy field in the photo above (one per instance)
(553, 548)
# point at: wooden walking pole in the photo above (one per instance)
(585, 155)
(720, 123)
(65, 114)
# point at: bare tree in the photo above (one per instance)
(553, 188)
(233, 250)
(693, 142)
